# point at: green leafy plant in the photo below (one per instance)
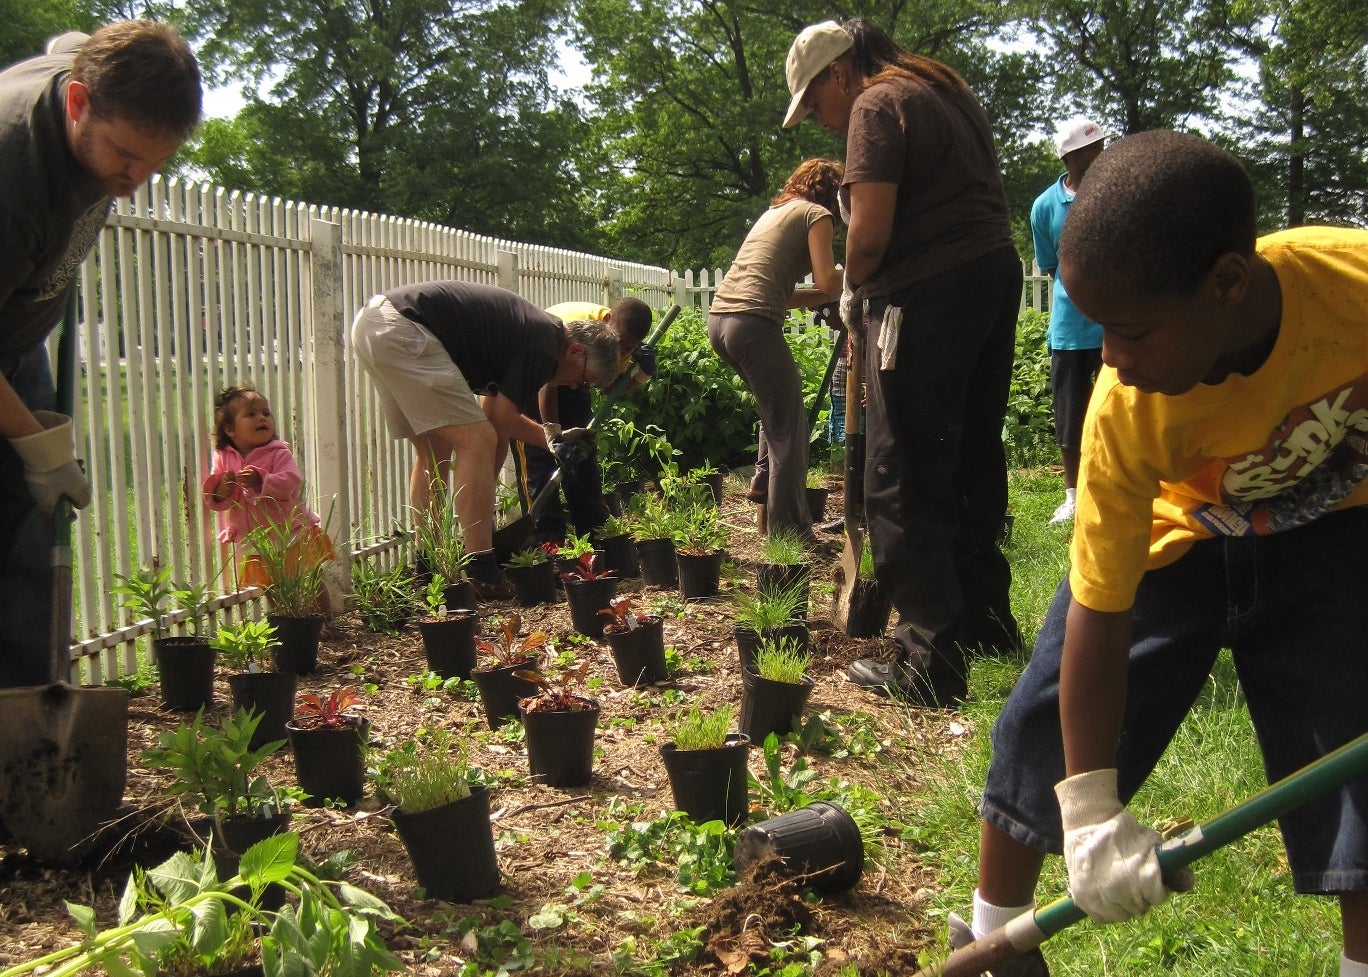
(217, 768)
(434, 596)
(330, 711)
(783, 660)
(816, 479)
(701, 854)
(655, 520)
(246, 646)
(180, 918)
(382, 598)
(426, 771)
(509, 646)
(440, 538)
(151, 593)
(782, 547)
(559, 695)
(700, 531)
(575, 547)
(695, 729)
(533, 556)
(294, 559)
(764, 608)
(615, 526)
(866, 570)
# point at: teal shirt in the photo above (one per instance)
(1069, 328)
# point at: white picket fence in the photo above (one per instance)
(191, 288)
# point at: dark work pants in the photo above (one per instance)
(936, 470)
(583, 485)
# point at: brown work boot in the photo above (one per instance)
(1030, 964)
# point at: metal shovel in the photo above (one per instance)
(63, 748)
(1028, 931)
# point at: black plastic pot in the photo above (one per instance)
(620, 555)
(460, 596)
(298, 648)
(535, 584)
(869, 610)
(330, 763)
(560, 745)
(771, 707)
(269, 693)
(587, 598)
(452, 847)
(233, 836)
(710, 785)
(185, 666)
(639, 653)
(817, 501)
(820, 842)
(656, 558)
(500, 690)
(449, 643)
(700, 575)
(782, 577)
(748, 640)
(714, 483)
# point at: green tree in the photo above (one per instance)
(29, 24)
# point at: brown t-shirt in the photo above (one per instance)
(937, 146)
(773, 259)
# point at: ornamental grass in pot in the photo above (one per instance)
(441, 545)
(705, 760)
(768, 614)
(295, 561)
(775, 692)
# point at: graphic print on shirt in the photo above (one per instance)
(1315, 457)
(83, 236)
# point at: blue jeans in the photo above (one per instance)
(1291, 608)
(25, 540)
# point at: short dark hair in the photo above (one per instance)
(633, 315)
(142, 72)
(1155, 212)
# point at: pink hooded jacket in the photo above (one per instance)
(277, 501)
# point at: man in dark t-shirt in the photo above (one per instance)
(459, 367)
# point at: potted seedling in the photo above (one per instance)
(448, 633)
(699, 548)
(817, 492)
(245, 647)
(383, 598)
(507, 653)
(705, 760)
(654, 529)
(185, 662)
(710, 475)
(588, 590)
(772, 614)
(295, 560)
(532, 575)
(560, 724)
(441, 545)
(619, 549)
(637, 640)
(869, 608)
(442, 816)
(572, 551)
(774, 693)
(783, 562)
(329, 739)
(218, 771)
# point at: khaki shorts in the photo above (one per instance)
(420, 387)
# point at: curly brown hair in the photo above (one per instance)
(224, 413)
(818, 180)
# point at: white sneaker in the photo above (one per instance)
(1064, 513)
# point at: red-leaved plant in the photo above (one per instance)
(328, 712)
(558, 696)
(584, 570)
(624, 617)
(508, 648)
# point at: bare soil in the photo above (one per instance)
(547, 837)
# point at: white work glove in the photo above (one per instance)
(50, 466)
(1114, 872)
(852, 312)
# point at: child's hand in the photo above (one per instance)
(249, 479)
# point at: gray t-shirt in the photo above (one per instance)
(51, 209)
(772, 260)
(500, 342)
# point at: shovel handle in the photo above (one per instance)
(59, 635)
(1028, 931)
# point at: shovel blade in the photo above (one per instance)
(63, 765)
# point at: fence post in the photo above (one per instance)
(325, 351)
(507, 270)
(612, 286)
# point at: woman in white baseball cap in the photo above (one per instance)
(929, 256)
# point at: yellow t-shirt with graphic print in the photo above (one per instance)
(1251, 455)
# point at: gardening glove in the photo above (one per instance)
(50, 465)
(852, 311)
(573, 446)
(645, 358)
(1114, 872)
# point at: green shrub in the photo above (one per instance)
(1028, 429)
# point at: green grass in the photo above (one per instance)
(1242, 917)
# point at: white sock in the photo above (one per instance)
(988, 917)
(1071, 495)
(1352, 968)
